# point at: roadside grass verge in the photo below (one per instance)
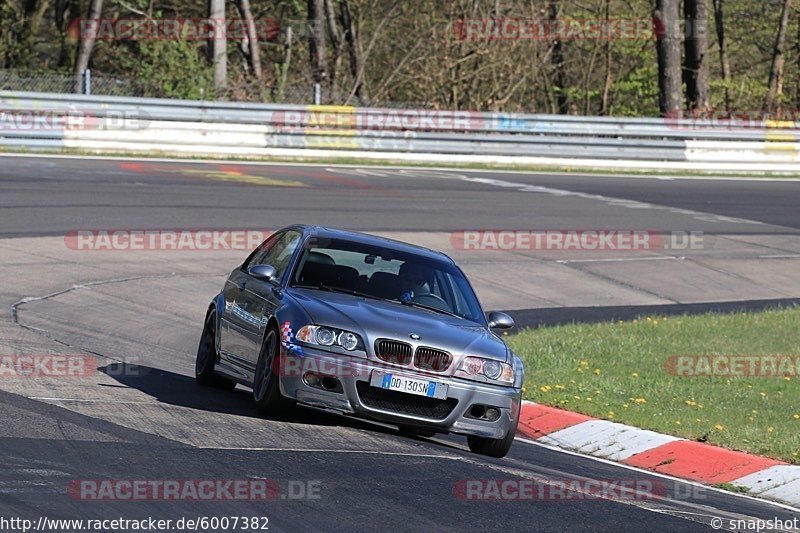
(619, 371)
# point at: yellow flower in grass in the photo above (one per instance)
(796, 417)
(690, 403)
(560, 387)
(596, 371)
(770, 429)
(635, 374)
(719, 427)
(677, 422)
(639, 400)
(545, 388)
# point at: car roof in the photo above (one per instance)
(365, 238)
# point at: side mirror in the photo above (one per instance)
(498, 320)
(263, 272)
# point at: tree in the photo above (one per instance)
(254, 54)
(219, 46)
(316, 40)
(86, 44)
(725, 64)
(668, 41)
(562, 103)
(356, 61)
(776, 70)
(696, 48)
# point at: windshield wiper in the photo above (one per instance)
(330, 288)
(431, 308)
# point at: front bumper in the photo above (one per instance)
(353, 375)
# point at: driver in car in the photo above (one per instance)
(413, 281)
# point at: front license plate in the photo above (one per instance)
(420, 387)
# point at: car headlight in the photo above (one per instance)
(486, 369)
(325, 336)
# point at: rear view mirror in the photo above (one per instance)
(498, 320)
(263, 272)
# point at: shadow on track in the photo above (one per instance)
(177, 389)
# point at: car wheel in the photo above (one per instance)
(266, 389)
(207, 356)
(411, 431)
(493, 447)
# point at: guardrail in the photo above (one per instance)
(118, 124)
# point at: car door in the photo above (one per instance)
(234, 327)
(260, 299)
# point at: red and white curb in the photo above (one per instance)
(685, 459)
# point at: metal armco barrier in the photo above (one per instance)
(179, 127)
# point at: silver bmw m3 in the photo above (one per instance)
(366, 326)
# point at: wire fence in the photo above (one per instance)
(236, 91)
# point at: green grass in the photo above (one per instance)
(616, 371)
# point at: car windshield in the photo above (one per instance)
(387, 274)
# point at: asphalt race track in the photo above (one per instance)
(139, 314)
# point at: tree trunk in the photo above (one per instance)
(604, 106)
(283, 69)
(696, 47)
(219, 47)
(252, 37)
(725, 64)
(776, 71)
(562, 103)
(316, 40)
(668, 44)
(356, 61)
(85, 46)
(336, 42)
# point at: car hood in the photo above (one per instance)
(375, 319)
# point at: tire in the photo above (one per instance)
(411, 431)
(493, 447)
(266, 388)
(207, 356)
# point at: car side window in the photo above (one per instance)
(258, 254)
(280, 253)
